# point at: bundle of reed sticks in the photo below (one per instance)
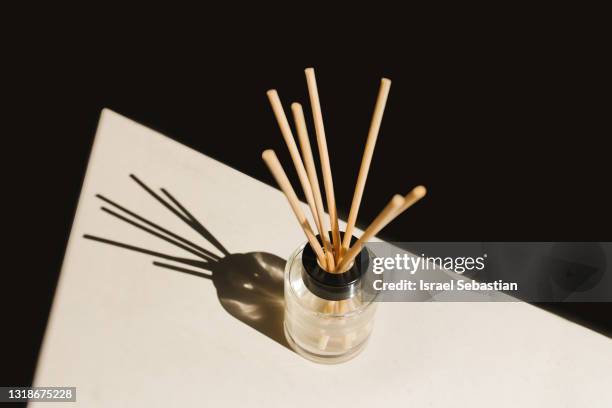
(334, 254)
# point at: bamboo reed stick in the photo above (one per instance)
(386, 215)
(283, 123)
(379, 109)
(302, 132)
(324, 156)
(412, 197)
(281, 178)
(331, 262)
(381, 221)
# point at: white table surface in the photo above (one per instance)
(129, 334)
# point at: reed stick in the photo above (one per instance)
(283, 123)
(412, 197)
(281, 178)
(302, 132)
(331, 262)
(386, 215)
(379, 109)
(396, 206)
(324, 156)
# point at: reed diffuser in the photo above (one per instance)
(329, 314)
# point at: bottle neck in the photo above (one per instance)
(333, 286)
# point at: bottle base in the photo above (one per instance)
(323, 358)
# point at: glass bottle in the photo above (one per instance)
(328, 316)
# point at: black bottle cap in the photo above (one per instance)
(333, 286)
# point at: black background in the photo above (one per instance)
(508, 133)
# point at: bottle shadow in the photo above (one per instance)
(249, 285)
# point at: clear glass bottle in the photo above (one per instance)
(328, 317)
